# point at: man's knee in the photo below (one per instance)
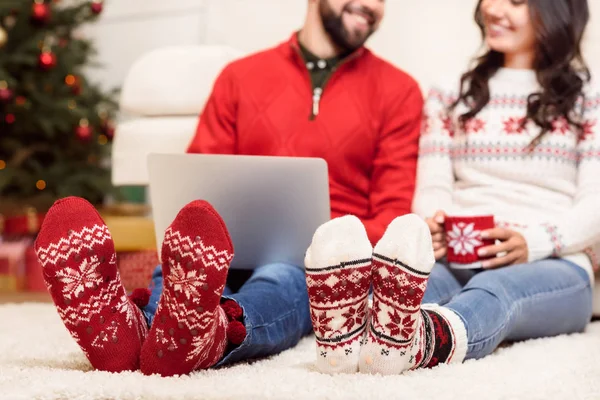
(282, 274)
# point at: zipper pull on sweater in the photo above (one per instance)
(316, 101)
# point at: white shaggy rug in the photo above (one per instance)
(38, 360)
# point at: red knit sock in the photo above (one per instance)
(189, 329)
(78, 258)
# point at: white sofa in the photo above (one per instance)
(161, 99)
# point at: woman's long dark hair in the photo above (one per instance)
(559, 65)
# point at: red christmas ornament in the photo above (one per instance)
(40, 12)
(10, 118)
(84, 131)
(6, 94)
(47, 60)
(97, 6)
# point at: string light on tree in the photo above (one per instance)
(3, 37)
(84, 130)
(20, 101)
(40, 184)
(74, 83)
(2, 164)
(70, 80)
(10, 118)
(97, 6)
(40, 12)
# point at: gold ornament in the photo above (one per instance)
(3, 37)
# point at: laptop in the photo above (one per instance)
(271, 205)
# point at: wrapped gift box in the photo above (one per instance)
(136, 268)
(33, 271)
(131, 233)
(13, 271)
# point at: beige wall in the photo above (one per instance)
(427, 38)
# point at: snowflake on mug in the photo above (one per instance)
(463, 238)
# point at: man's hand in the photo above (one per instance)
(438, 234)
(512, 243)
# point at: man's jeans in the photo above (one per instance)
(276, 311)
(543, 298)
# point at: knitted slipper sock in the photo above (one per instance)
(189, 331)
(338, 277)
(402, 261)
(78, 258)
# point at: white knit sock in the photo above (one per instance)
(338, 277)
(402, 261)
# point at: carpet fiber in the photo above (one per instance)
(38, 360)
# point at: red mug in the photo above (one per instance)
(463, 238)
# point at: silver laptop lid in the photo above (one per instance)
(271, 205)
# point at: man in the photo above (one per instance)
(320, 94)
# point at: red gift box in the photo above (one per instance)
(34, 272)
(136, 268)
(463, 237)
(13, 265)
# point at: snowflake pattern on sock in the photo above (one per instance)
(397, 293)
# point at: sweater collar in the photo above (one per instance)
(312, 60)
(294, 45)
(517, 76)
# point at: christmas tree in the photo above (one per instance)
(55, 125)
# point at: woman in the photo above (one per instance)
(518, 138)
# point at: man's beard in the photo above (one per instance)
(334, 26)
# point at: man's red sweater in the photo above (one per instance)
(367, 127)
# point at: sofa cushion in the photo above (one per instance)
(173, 81)
(137, 138)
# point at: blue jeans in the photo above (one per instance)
(276, 311)
(543, 298)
